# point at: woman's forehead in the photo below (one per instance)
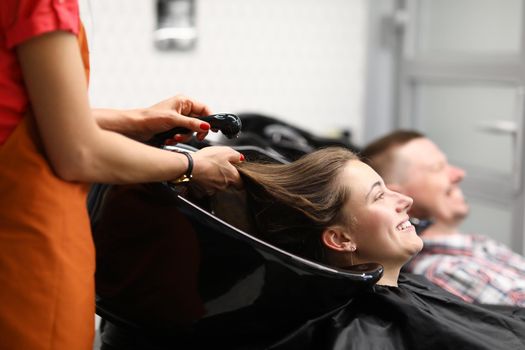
(359, 176)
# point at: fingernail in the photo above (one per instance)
(242, 157)
(205, 126)
(178, 138)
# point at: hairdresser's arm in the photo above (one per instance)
(142, 124)
(77, 148)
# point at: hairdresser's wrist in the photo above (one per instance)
(186, 177)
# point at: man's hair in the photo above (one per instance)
(293, 203)
(380, 154)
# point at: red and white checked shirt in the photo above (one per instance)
(475, 268)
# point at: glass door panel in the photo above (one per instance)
(468, 26)
(489, 219)
(457, 116)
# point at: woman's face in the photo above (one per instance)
(381, 231)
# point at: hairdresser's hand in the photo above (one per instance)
(213, 170)
(185, 110)
(143, 124)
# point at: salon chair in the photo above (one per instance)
(176, 268)
(275, 135)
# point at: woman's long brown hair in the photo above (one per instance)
(293, 203)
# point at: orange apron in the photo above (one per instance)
(47, 257)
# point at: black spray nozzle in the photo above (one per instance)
(229, 124)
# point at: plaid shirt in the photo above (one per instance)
(475, 268)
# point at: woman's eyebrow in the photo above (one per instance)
(377, 183)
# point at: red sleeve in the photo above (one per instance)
(36, 17)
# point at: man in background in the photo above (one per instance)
(476, 268)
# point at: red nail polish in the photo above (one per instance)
(178, 138)
(205, 126)
(242, 157)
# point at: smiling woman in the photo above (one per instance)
(382, 231)
(330, 207)
(333, 208)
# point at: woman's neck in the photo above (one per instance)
(391, 271)
(390, 276)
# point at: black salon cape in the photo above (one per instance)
(414, 315)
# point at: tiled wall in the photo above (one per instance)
(299, 60)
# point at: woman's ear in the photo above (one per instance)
(337, 238)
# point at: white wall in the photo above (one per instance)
(299, 60)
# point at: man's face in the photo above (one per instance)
(432, 182)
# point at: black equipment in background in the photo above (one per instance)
(290, 141)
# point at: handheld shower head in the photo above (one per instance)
(229, 124)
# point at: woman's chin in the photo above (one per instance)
(416, 245)
(412, 242)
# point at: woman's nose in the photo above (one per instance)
(404, 203)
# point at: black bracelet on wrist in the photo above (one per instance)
(187, 176)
